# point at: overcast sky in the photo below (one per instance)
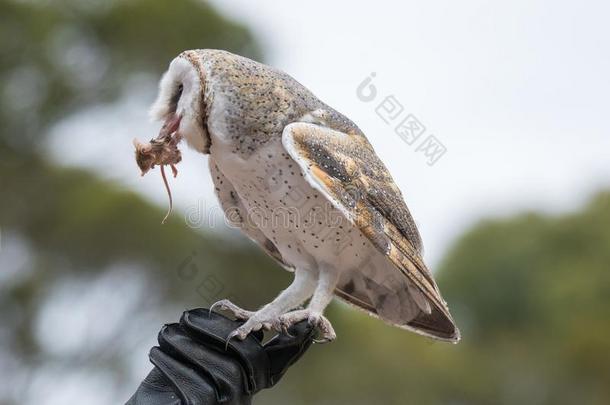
(517, 93)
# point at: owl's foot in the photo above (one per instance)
(264, 320)
(315, 319)
(255, 323)
(252, 325)
(238, 313)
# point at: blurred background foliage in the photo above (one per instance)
(88, 274)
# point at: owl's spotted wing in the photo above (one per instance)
(237, 215)
(345, 169)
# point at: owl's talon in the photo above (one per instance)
(235, 334)
(315, 319)
(323, 325)
(284, 329)
(242, 332)
(238, 313)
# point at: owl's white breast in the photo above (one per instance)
(306, 229)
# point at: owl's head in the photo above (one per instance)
(180, 103)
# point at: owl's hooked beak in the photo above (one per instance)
(171, 125)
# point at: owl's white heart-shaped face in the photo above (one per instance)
(180, 98)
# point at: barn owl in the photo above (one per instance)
(303, 182)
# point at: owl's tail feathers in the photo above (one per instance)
(398, 303)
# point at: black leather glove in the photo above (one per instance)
(193, 367)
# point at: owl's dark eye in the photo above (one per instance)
(176, 97)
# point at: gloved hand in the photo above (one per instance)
(193, 367)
